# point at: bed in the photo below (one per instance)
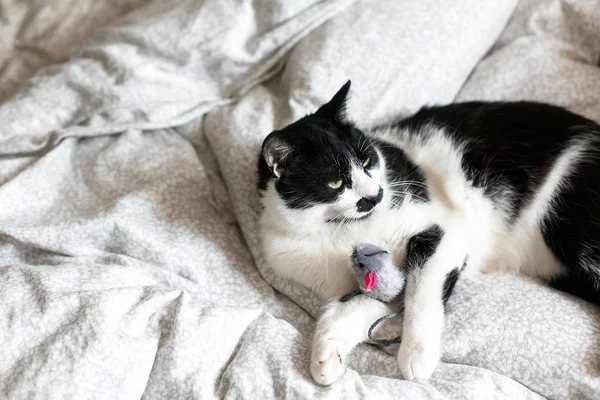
(129, 257)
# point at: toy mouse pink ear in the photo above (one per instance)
(335, 109)
(276, 151)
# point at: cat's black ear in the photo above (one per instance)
(276, 151)
(335, 109)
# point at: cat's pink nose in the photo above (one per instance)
(372, 190)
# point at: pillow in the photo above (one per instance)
(550, 52)
(400, 55)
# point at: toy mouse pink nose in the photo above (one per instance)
(370, 280)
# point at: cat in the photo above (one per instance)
(508, 186)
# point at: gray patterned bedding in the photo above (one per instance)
(129, 264)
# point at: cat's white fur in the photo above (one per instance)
(299, 245)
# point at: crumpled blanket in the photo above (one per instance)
(129, 258)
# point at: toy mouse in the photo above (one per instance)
(377, 278)
(375, 273)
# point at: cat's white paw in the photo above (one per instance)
(326, 364)
(417, 359)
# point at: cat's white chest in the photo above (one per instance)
(391, 228)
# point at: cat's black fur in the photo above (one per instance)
(510, 144)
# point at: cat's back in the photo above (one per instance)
(516, 144)
(522, 121)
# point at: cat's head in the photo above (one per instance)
(323, 164)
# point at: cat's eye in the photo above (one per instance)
(335, 184)
(366, 163)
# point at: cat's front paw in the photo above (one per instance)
(326, 364)
(417, 359)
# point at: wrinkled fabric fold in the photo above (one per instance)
(129, 256)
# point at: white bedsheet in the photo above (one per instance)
(129, 264)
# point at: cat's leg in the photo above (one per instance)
(429, 284)
(341, 327)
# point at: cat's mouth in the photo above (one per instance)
(349, 219)
(364, 208)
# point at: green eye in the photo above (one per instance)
(366, 163)
(335, 185)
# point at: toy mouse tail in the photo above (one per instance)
(384, 342)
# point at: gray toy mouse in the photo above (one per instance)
(375, 273)
(377, 278)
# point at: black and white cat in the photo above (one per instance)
(506, 186)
